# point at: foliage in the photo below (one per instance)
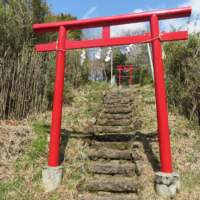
(144, 77)
(182, 75)
(118, 59)
(141, 66)
(27, 77)
(72, 34)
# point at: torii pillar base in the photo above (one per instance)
(51, 177)
(167, 184)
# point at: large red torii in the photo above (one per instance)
(155, 37)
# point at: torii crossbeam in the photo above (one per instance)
(125, 67)
(155, 37)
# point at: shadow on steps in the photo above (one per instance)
(146, 140)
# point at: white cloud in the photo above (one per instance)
(89, 12)
(138, 10)
(181, 22)
(195, 6)
(177, 23)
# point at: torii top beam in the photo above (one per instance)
(113, 20)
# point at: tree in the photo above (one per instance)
(27, 77)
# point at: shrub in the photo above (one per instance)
(182, 75)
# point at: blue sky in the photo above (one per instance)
(84, 9)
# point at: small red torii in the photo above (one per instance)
(125, 67)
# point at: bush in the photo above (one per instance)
(182, 76)
(145, 78)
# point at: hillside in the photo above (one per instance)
(24, 147)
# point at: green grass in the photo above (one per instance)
(191, 159)
(4, 187)
(40, 128)
(34, 150)
(76, 175)
(70, 187)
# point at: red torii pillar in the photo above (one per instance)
(155, 37)
(125, 68)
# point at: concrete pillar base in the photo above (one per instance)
(167, 184)
(51, 177)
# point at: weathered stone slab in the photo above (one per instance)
(131, 98)
(117, 110)
(113, 129)
(111, 145)
(116, 93)
(109, 154)
(142, 198)
(92, 121)
(111, 185)
(116, 116)
(167, 184)
(136, 155)
(117, 105)
(51, 177)
(120, 100)
(106, 198)
(81, 168)
(128, 170)
(137, 145)
(114, 137)
(139, 167)
(112, 122)
(97, 107)
(138, 124)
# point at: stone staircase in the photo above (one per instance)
(114, 156)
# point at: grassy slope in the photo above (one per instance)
(25, 172)
(185, 143)
(185, 146)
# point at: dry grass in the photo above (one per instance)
(13, 137)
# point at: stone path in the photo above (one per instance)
(114, 156)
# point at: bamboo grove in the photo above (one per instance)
(27, 77)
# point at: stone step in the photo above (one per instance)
(115, 185)
(117, 105)
(128, 170)
(111, 145)
(117, 110)
(113, 129)
(114, 137)
(110, 154)
(118, 95)
(113, 122)
(119, 100)
(109, 138)
(106, 198)
(116, 116)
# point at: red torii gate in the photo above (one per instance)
(124, 67)
(155, 37)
